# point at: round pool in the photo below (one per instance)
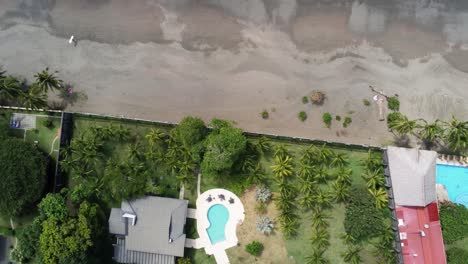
(218, 216)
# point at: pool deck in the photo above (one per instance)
(236, 217)
(459, 161)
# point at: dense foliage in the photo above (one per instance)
(327, 119)
(224, 146)
(393, 103)
(456, 256)
(362, 219)
(22, 176)
(454, 221)
(254, 248)
(189, 134)
(28, 241)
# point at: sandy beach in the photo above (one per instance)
(163, 60)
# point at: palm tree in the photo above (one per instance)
(403, 125)
(155, 136)
(10, 88)
(262, 145)
(247, 163)
(344, 176)
(321, 238)
(280, 151)
(457, 135)
(374, 179)
(319, 220)
(317, 257)
(46, 81)
(380, 197)
(324, 155)
(305, 170)
(321, 174)
(134, 151)
(431, 131)
(339, 160)
(348, 239)
(307, 200)
(352, 255)
(33, 100)
(257, 175)
(309, 154)
(283, 166)
(373, 160)
(121, 133)
(341, 191)
(185, 178)
(323, 199)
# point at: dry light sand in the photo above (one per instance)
(165, 61)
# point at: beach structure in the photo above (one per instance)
(411, 178)
(149, 230)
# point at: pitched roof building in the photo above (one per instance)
(412, 175)
(149, 230)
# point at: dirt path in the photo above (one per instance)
(275, 249)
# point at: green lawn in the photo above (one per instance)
(46, 136)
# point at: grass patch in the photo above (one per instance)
(199, 256)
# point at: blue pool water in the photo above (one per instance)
(218, 215)
(455, 179)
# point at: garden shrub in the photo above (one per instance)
(265, 225)
(338, 118)
(184, 261)
(302, 116)
(347, 121)
(456, 256)
(362, 219)
(454, 222)
(305, 99)
(6, 231)
(262, 194)
(366, 102)
(48, 122)
(265, 114)
(28, 240)
(327, 119)
(22, 174)
(393, 116)
(393, 103)
(255, 248)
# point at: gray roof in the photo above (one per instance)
(117, 224)
(122, 255)
(413, 175)
(158, 220)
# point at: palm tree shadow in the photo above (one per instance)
(402, 141)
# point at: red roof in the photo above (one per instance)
(420, 234)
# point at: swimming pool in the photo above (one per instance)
(455, 180)
(218, 216)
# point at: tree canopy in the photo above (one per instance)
(68, 240)
(22, 176)
(224, 146)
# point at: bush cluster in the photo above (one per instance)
(302, 116)
(254, 248)
(327, 119)
(362, 219)
(454, 222)
(393, 103)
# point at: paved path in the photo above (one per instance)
(192, 213)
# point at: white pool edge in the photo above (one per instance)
(236, 217)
